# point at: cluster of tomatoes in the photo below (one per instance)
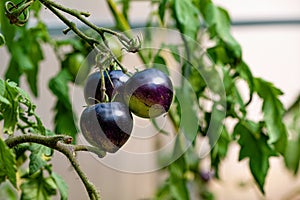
(107, 121)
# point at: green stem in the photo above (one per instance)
(123, 24)
(49, 141)
(79, 15)
(102, 88)
(71, 25)
(101, 153)
(70, 154)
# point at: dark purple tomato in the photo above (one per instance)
(115, 91)
(92, 93)
(107, 125)
(114, 86)
(149, 93)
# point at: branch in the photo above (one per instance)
(92, 149)
(62, 143)
(52, 6)
(70, 24)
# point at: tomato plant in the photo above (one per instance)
(112, 91)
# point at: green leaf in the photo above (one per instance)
(8, 192)
(273, 111)
(188, 115)
(173, 50)
(59, 87)
(178, 187)
(10, 112)
(13, 72)
(16, 105)
(65, 121)
(3, 99)
(163, 193)
(37, 187)
(160, 63)
(215, 122)
(292, 155)
(197, 81)
(22, 59)
(36, 7)
(219, 150)
(26, 54)
(187, 18)
(2, 40)
(219, 54)
(8, 164)
(246, 74)
(219, 24)
(61, 185)
(254, 146)
(39, 156)
(233, 96)
(162, 9)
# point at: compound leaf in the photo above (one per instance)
(255, 147)
(273, 113)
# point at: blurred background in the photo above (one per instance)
(269, 34)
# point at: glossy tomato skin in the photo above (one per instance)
(107, 125)
(149, 93)
(114, 86)
(92, 93)
(115, 91)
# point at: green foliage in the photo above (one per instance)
(11, 99)
(18, 113)
(39, 156)
(8, 164)
(292, 155)
(187, 18)
(62, 186)
(160, 63)
(218, 21)
(64, 117)
(191, 120)
(273, 113)
(38, 187)
(177, 180)
(254, 145)
(24, 46)
(7, 192)
(219, 150)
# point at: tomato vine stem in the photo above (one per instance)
(62, 143)
(55, 7)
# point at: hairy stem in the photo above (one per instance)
(62, 143)
(52, 6)
(70, 24)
